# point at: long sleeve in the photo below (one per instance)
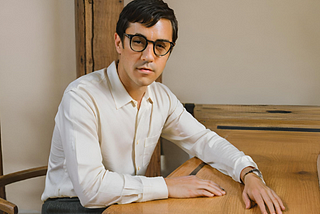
(77, 135)
(185, 131)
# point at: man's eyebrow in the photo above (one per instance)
(139, 34)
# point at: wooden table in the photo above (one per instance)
(287, 160)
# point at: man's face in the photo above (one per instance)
(139, 69)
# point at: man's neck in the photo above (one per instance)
(134, 91)
(137, 96)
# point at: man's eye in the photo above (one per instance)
(161, 46)
(137, 41)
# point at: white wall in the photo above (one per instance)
(246, 52)
(37, 61)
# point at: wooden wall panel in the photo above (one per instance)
(95, 27)
(103, 40)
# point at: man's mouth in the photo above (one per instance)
(145, 70)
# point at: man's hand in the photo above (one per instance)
(192, 186)
(257, 191)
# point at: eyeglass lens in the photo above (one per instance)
(139, 43)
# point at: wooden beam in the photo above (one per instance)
(95, 27)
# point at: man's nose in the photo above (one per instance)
(148, 53)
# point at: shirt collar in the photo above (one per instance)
(148, 95)
(120, 95)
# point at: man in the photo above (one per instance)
(109, 122)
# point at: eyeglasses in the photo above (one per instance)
(139, 43)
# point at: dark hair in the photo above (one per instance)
(148, 13)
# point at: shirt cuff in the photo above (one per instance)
(245, 162)
(154, 188)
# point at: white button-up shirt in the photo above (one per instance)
(102, 143)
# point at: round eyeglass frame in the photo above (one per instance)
(130, 36)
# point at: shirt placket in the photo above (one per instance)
(142, 130)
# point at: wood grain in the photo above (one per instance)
(95, 27)
(288, 161)
(318, 169)
(283, 116)
(154, 167)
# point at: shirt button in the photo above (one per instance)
(138, 168)
(137, 142)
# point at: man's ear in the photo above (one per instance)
(118, 43)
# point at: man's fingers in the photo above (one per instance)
(277, 202)
(273, 202)
(270, 202)
(246, 200)
(204, 188)
(261, 204)
(265, 199)
(282, 207)
(213, 188)
(192, 186)
(205, 193)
